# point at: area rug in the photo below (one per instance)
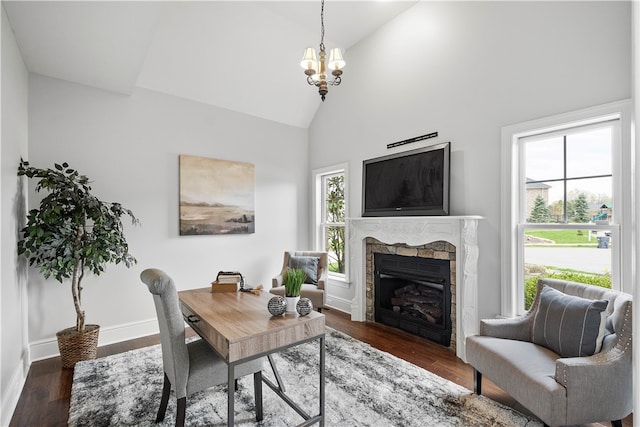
(364, 387)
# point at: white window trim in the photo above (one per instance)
(623, 194)
(316, 191)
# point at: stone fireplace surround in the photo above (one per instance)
(406, 232)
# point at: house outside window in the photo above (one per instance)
(566, 202)
(330, 216)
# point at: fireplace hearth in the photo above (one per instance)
(414, 294)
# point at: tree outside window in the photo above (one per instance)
(581, 209)
(333, 222)
(540, 211)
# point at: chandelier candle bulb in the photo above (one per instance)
(336, 62)
(309, 61)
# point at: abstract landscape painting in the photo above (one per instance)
(216, 196)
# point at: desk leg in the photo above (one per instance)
(275, 372)
(231, 387)
(322, 381)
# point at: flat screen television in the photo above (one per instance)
(413, 182)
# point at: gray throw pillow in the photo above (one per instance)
(308, 264)
(569, 325)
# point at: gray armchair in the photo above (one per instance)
(315, 292)
(191, 367)
(557, 389)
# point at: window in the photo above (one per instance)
(566, 202)
(571, 171)
(330, 211)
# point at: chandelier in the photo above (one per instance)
(316, 71)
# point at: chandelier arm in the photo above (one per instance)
(312, 82)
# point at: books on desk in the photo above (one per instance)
(229, 278)
(226, 282)
(217, 286)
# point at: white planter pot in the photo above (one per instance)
(291, 304)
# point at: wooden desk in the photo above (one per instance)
(240, 328)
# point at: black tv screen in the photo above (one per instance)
(413, 182)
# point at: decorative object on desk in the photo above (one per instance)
(293, 280)
(111, 391)
(229, 277)
(216, 196)
(304, 306)
(292, 302)
(227, 281)
(72, 233)
(224, 287)
(277, 306)
(256, 291)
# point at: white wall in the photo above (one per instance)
(636, 106)
(465, 69)
(129, 147)
(14, 124)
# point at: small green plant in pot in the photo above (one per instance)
(293, 280)
(71, 233)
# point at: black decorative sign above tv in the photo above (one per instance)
(414, 139)
(411, 183)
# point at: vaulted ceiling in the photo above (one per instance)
(239, 55)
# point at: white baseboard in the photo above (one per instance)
(339, 304)
(13, 391)
(47, 348)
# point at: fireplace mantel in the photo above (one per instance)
(460, 231)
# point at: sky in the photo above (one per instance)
(588, 154)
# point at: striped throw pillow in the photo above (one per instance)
(569, 325)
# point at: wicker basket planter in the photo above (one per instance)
(75, 346)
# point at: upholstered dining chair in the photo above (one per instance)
(315, 264)
(194, 366)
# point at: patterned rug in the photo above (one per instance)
(364, 387)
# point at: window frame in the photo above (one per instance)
(514, 201)
(319, 223)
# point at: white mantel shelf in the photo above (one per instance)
(460, 231)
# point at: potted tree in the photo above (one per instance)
(73, 232)
(293, 279)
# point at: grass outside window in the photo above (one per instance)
(564, 237)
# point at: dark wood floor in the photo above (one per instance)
(45, 397)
